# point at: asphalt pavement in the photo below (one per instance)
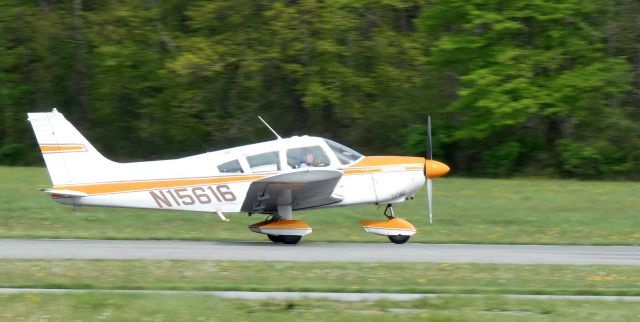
(316, 251)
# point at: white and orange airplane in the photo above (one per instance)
(275, 178)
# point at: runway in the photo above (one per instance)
(310, 252)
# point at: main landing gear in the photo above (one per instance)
(396, 229)
(280, 228)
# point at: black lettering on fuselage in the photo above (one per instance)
(191, 196)
(160, 198)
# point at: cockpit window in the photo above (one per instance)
(344, 154)
(230, 167)
(264, 162)
(310, 156)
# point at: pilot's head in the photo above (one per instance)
(307, 157)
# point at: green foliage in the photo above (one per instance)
(161, 79)
(523, 65)
(593, 159)
(14, 154)
(501, 160)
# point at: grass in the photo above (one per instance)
(466, 211)
(142, 307)
(322, 277)
(513, 211)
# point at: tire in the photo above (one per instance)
(274, 238)
(290, 239)
(399, 239)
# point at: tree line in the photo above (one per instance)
(540, 88)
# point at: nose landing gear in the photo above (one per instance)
(398, 230)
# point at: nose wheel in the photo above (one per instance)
(398, 230)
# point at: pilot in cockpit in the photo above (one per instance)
(306, 160)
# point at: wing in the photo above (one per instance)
(304, 188)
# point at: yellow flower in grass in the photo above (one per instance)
(33, 297)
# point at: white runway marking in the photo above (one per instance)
(316, 295)
(310, 252)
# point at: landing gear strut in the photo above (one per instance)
(389, 209)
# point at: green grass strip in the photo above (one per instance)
(147, 307)
(515, 211)
(323, 276)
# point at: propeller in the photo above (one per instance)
(429, 183)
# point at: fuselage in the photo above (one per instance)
(275, 177)
(218, 181)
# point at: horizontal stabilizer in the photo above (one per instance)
(64, 193)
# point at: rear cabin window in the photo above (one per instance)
(264, 162)
(310, 156)
(230, 167)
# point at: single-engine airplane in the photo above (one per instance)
(274, 178)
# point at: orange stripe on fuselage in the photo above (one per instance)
(360, 171)
(58, 148)
(382, 163)
(115, 187)
(378, 161)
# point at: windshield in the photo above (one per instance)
(344, 154)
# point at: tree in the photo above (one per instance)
(329, 68)
(528, 75)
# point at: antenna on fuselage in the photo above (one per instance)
(274, 132)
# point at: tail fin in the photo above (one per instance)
(69, 157)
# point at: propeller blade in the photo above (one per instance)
(430, 157)
(429, 198)
(429, 146)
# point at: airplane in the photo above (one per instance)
(273, 178)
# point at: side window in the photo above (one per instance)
(230, 167)
(264, 162)
(312, 156)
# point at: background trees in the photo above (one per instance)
(539, 87)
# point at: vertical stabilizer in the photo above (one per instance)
(69, 157)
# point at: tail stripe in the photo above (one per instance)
(61, 148)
